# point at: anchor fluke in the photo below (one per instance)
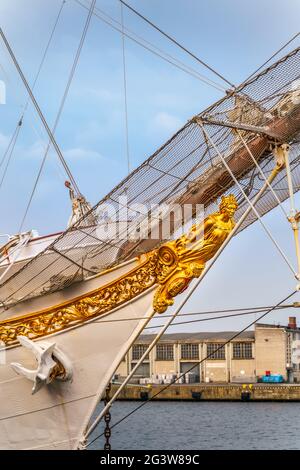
(47, 368)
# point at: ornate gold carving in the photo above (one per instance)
(95, 303)
(172, 266)
(183, 259)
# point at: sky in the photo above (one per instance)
(233, 37)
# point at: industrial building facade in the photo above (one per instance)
(214, 357)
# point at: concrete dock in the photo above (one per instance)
(213, 392)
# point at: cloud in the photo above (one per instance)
(105, 127)
(81, 153)
(165, 123)
(35, 150)
(103, 95)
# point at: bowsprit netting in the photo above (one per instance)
(187, 169)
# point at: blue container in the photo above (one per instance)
(276, 378)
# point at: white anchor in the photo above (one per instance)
(44, 353)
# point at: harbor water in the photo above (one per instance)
(204, 425)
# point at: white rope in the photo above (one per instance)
(250, 203)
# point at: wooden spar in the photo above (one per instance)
(215, 181)
(212, 184)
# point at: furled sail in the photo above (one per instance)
(264, 112)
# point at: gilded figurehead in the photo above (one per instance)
(228, 206)
(192, 251)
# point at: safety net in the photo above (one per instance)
(262, 112)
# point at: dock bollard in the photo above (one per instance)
(245, 393)
(144, 396)
(196, 395)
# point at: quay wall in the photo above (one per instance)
(212, 392)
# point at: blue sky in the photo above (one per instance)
(232, 36)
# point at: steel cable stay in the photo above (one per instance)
(234, 88)
(85, 445)
(272, 56)
(219, 317)
(90, 428)
(174, 41)
(241, 312)
(153, 49)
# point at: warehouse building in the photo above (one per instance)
(269, 349)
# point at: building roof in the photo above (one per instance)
(199, 336)
(283, 327)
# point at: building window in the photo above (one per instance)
(242, 350)
(216, 351)
(138, 350)
(143, 370)
(164, 352)
(190, 351)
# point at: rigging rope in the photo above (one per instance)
(176, 43)
(158, 51)
(170, 152)
(219, 317)
(272, 56)
(125, 91)
(245, 311)
(193, 367)
(72, 72)
(38, 109)
(16, 133)
(9, 145)
(44, 55)
(28, 101)
(188, 294)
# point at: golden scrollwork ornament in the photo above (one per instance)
(172, 266)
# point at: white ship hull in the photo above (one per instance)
(56, 416)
